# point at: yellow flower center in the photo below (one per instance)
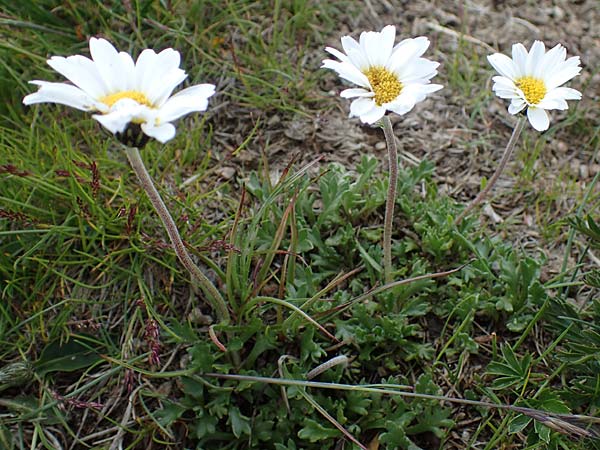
(533, 88)
(385, 84)
(111, 99)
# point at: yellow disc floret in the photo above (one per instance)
(385, 84)
(533, 88)
(139, 97)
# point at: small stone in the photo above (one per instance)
(557, 12)
(489, 211)
(562, 146)
(226, 172)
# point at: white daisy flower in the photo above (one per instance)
(123, 92)
(392, 78)
(531, 80)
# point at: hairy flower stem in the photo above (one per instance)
(207, 287)
(391, 198)
(505, 158)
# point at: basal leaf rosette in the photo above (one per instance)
(122, 92)
(391, 77)
(533, 80)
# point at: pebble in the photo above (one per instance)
(226, 172)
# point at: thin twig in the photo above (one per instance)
(374, 291)
(458, 35)
(331, 419)
(563, 423)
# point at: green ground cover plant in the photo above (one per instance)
(106, 341)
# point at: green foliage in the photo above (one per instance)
(67, 356)
(85, 267)
(511, 371)
(291, 249)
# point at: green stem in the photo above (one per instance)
(391, 198)
(207, 287)
(505, 158)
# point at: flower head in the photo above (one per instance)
(392, 77)
(122, 92)
(531, 80)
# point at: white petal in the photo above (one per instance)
(505, 88)
(162, 133)
(503, 83)
(556, 98)
(510, 94)
(169, 82)
(373, 115)
(415, 93)
(144, 67)
(406, 51)
(361, 106)
(516, 106)
(204, 90)
(415, 47)
(533, 65)
(192, 99)
(380, 45)
(377, 46)
(430, 88)
(339, 55)
(347, 72)
(400, 108)
(82, 72)
(503, 65)
(358, 59)
(519, 56)
(115, 122)
(421, 69)
(166, 61)
(128, 68)
(355, 54)
(64, 94)
(155, 70)
(538, 118)
(356, 92)
(418, 89)
(565, 93)
(569, 69)
(552, 60)
(349, 43)
(404, 102)
(553, 103)
(108, 63)
(123, 112)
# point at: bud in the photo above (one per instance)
(15, 374)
